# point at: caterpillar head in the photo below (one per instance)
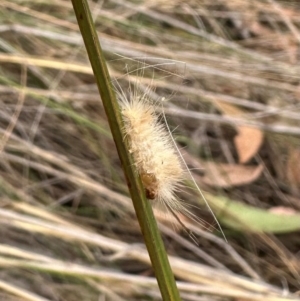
(150, 184)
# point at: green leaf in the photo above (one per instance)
(242, 217)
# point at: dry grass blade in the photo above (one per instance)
(68, 229)
(25, 295)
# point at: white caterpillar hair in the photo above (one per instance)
(157, 158)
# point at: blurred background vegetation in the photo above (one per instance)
(230, 73)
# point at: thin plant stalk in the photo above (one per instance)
(156, 249)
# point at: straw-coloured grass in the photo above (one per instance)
(68, 229)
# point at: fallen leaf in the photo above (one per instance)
(248, 140)
(230, 175)
(227, 108)
(241, 217)
(281, 210)
(293, 169)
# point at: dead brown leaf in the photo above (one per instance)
(230, 175)
(281, 210)
(248, 140)
(293, 168)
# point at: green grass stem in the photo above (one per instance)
(156, 249)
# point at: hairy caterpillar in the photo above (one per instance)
(156, 156)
